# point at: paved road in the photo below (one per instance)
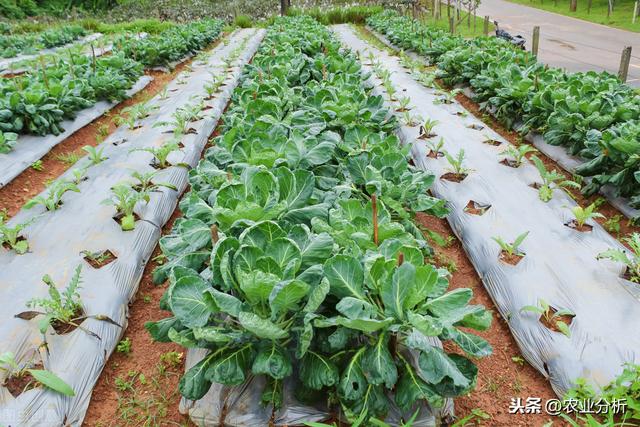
(566, 42)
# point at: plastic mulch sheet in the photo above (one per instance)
(82, 223)
(560, 264)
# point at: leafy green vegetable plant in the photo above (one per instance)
(125, 198)
(550, 316)
(45, 377)
(512, 249)
(7, 141)
(11, 236)
(632, 260)
(551, 180)
(95, 155)
(53, 198)
(517, 154)
(161, 154)
(582, 215)
(426, 129)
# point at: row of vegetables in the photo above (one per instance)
(298, 258)
(15, 44)
(38, 101)
(593, 115)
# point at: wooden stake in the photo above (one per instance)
(214, 234)
(485, 30)
(374, 205)
(635, 12)
(623, 72)
(452, 28)
(536, 40)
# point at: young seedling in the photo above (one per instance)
(98, 259)
(409, 119)
(10, 237)
(7, 141)
(164, 93)
(125, 198)
(426, 129)
(511, 253)
(555, 320)
(551, 180)
(448, 97)
(403, 104)
(632, 260)
(32, 377)
(161, 154)
(133, 114)
(613, 224)
(436, 149)
(582, 215)
(95, 155)
(458, 171)
(517, 155)
(145, 182)
(62, 310)
(79, 175)
(53, 199)
(70, 158)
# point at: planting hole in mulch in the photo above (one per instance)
(117, 217)
(584, 228)
(16, 385)
(492, 142)
(454, 177)
(7, 246)
(475, 126)
(99, 259)
(62, 328)
(119, 141)
(509, 162)
(476, 208)
(566, 318)
(435, 154)
(511, 259)
(154, 164)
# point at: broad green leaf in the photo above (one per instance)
(426, 324)
(378, 364)
(262, 328)
(52, 381)
(187, 301)
(470, 343)
(412, 388)
(229, 368)
(221, 301)
(353, 383)
(354, 308)
(194, 383)
(272, 360)
(345, 276)
(394, 292)
(317, 371)
(286, 295)
(450, 301)
(317, 295)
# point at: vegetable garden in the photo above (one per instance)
(302, 224)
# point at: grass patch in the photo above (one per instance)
(338, 15)
(620, 17)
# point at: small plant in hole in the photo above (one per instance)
(458, 171)
(164, 93)
(124, 198)
(145, 182)
(10, 237)
(37, 166)
(124, 346)
(510, 252)
(62, 310)
(582, 215)
(131, 115)
(613, 224)
(632, 260)
(28, 377)
(98, 259)
(94, 154)
(403, 104)
(556, 320)
(79, 175)
(409, 119)
(161, 154)
(53, 198)
(517, 155)
(436, 148)
(426, 128)
(448, 97)
(551, 180)
(476, 208)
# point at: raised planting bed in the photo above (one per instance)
(82, 229)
